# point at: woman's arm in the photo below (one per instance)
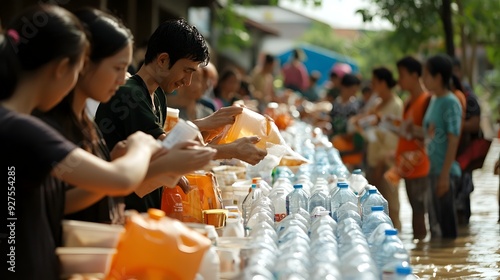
(78, 199)
(120, 177)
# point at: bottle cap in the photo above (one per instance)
(372, 191)
(356, 171)
(254, 186)
(342, 185)
(377, 208)
(255, 180)
(298, 186)
(403, 270)
(155, 214)
(391, 231)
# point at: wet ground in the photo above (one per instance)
(475, 254)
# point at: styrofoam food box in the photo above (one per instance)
(87, 234)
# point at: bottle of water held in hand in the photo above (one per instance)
(296, 199)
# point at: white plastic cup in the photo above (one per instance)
(183, 131)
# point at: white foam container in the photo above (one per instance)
(87, 234)
(79, 260)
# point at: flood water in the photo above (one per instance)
(475, 254)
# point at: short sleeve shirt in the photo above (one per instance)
(443, 117)
(31, 149)
(130, 110)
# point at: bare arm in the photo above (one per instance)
(444, 178)
(243, 149)
(119, 177)
(472, 125)
(78, 199)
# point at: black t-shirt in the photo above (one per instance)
(472, 109)
(30, 150)
(128, 111)
(106, 210)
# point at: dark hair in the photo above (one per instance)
(350, 80)
(366, 90)
(411, 64)
(38, 36)
(9, 67)
(226, 74)
(333, 74)
(440, 65)
(178, 39)
(384, 74)
(455, 82)
(268, 59)
(107, 36)
(107, 33)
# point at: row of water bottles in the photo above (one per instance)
(356, 212)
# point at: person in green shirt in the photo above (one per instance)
(442, 123)
(175, 50)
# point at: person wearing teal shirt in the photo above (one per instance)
(442, 125)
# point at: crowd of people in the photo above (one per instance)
(79, 126)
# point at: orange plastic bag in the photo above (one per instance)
(155, 247)
(204, 195)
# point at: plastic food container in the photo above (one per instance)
(84, 260)
(87, 234)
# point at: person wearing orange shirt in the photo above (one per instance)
(412, 162)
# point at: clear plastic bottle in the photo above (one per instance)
(343, 195)
(296, 199)
(374, 199)
(264, 187)
(357, 182)
(246, 206)
(279, 202)
(319, 198)
(374, 219)
(390, 250)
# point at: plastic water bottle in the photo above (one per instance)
(234, 227)
(264, 187)
(319, 198)
(374, 199)
(374, 219)
(246, 206)
(357, 182)
(279, 202)
(389, 251)
(296, 199)
(343, 195)
(365, 193)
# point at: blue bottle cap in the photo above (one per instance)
(403, 270)
(377, 208)
(343, 185)
(356, 171)
(392, 231)
(372, 191)
(254, 186)
(298, 186)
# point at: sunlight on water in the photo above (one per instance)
(475, 254)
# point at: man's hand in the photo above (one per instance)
(244, 149)
(213, 124)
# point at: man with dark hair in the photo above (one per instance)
(175, 51)
(412, 162)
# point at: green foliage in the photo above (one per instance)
(416, 21)
(369, 50)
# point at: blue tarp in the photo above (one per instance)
(319, 59)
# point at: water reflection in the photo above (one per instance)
(475, 254)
